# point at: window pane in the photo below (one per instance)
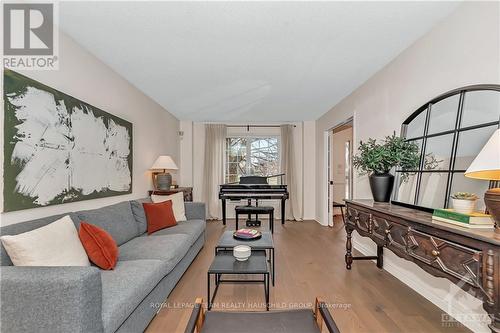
(432, 189)
(407, 188)
(236, 156)
(470, 144)
(416, 127)
(438, 152)
(419, 144)
(264, 156)
(480, 107)
(460, 183)
(444, 115)
(251, 156)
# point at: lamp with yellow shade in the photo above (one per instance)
(163, 180)
(486, 166)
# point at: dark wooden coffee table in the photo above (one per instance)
(225, 263)
(227, 242)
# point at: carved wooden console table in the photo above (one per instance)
(470, 258)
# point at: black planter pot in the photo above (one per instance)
(381, 185)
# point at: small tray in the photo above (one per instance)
(249, 238)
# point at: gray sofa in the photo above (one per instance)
(87, 299)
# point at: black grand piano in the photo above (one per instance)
(253, 187)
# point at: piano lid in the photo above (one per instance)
(253, 180)
(251, 188)
(256, 180)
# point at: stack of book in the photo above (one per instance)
(473, 220)
(247, 233)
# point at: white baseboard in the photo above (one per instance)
(424, 290)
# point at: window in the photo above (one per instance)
(247, 156)
(450, 131)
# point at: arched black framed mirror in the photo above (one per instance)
(450, 130)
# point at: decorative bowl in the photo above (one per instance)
(242, 252)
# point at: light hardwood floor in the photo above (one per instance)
(310, 263)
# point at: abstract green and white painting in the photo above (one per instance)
(58, 149)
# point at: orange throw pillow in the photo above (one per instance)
(99, 245)
(159, 215)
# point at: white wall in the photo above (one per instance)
(155, 131)
(463, 49)
(186, 154)
(305, 154)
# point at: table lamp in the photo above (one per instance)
(486, 166)
(163, 180)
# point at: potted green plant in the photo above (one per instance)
(464, 202)
(377, 159)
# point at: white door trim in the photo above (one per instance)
(325, 185)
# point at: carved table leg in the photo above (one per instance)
(492, 288)
(495, 324)
(494, 312)
(348, 247)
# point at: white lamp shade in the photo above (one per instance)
(164, 162)
(487, 164)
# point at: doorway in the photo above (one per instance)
(339, 167)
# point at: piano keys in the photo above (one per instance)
(253, 187)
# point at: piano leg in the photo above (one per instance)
(283, 211)
(223, 211)
(271, 221)
(257, 215)
(249, 201)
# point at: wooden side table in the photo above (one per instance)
(188, 192)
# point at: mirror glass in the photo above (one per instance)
(444, 115)
(480, 106)
(460, 183)
(432, 189)
(407, 188)
(470, 143)
(438, 152)
(416, 127)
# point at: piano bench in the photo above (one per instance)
(249, 210)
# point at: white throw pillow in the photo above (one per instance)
(177, 204)
(56, 244)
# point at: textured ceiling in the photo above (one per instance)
(248, 61)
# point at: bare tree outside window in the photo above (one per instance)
(236, 159)
(247, 156)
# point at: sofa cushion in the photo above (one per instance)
(124, 288)
(99, 245)
(191, 228)
(18, 228)
(170, 249)
(139, 214)
(159, 216)
(177, 204)
(56, 244)
(116, 219)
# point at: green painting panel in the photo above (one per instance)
(59, 149)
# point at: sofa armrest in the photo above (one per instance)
(195, 210)
(50, 299)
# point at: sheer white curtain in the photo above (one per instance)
(215, 141)
(288, 167)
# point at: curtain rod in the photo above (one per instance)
(248, 126)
